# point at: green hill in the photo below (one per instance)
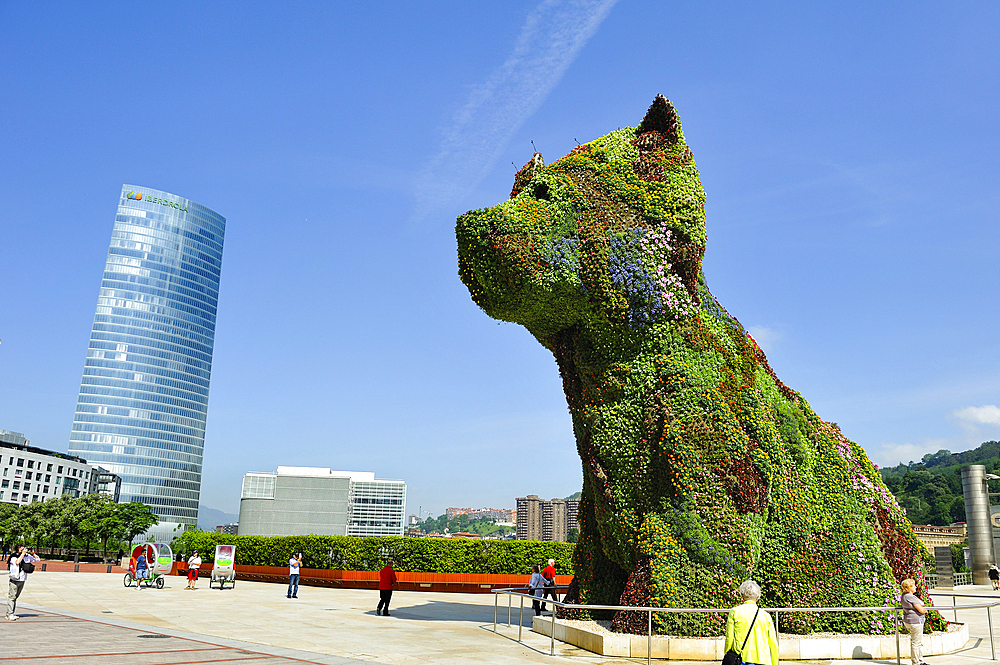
(931, 490)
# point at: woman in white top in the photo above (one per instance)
(194, 565)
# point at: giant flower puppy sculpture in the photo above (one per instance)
(700, 467)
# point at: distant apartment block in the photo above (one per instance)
(493, 514)
(529, 518)
(554, 520)
(232, 529)
(546, 520)
(295, 501)
(29, 474)
(572, 510)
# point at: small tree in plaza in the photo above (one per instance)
(46, 528)
(68, 518)
(102, 519)
(136, 518)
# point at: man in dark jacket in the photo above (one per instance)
(386, 583)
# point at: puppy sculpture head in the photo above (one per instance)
(614, 230)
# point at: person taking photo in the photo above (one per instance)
(19, 564)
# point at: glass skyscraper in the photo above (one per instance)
(144, 395)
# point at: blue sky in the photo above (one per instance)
(849, 153)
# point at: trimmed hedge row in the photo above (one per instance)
(411, 555)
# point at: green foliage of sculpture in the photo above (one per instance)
(701, 468)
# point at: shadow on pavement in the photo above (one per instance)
(437, 610)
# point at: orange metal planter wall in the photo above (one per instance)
(368, 579)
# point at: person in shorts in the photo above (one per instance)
(194, 565)
(995, 577)
(141, 569)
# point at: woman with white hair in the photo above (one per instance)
(749, 629)
(549, 573)
(913, 619)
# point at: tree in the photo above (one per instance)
(958, 558)
(573, 535)
(68, 517)
(48, 514)
(10, 527)
(31, 519)
(103, 519)
(136, 518)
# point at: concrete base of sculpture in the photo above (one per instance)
(593, 636)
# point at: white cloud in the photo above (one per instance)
(549, 42)
(979, 415)
(766, 337)
(891, 454)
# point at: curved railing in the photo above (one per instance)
(776, 611)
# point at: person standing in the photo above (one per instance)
(535, 585)
(293, 575)
(749, 629)
(549, 573)
(995, 577)
(18, 575)
(913, 619)
(140, 568)
(386, 583)
(194, 566)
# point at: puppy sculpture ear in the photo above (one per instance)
(661, 117)
(527, 172)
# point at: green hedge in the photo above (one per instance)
(419, 555)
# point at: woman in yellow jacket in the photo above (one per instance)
(761, 646)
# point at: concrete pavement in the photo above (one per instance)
(77, 611)
(422, 628)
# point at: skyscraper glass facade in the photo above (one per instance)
(144, 395)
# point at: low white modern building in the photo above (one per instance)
(302, 500)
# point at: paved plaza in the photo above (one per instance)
(91, 617)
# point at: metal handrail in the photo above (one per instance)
(896, 610)
(956, 607)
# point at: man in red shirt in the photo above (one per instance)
(549, 573)
(386, 583)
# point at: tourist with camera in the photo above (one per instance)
(20, 564)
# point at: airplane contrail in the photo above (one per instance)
(549, 42)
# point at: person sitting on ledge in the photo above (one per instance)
(750, 631)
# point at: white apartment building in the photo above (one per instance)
(29, 474)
